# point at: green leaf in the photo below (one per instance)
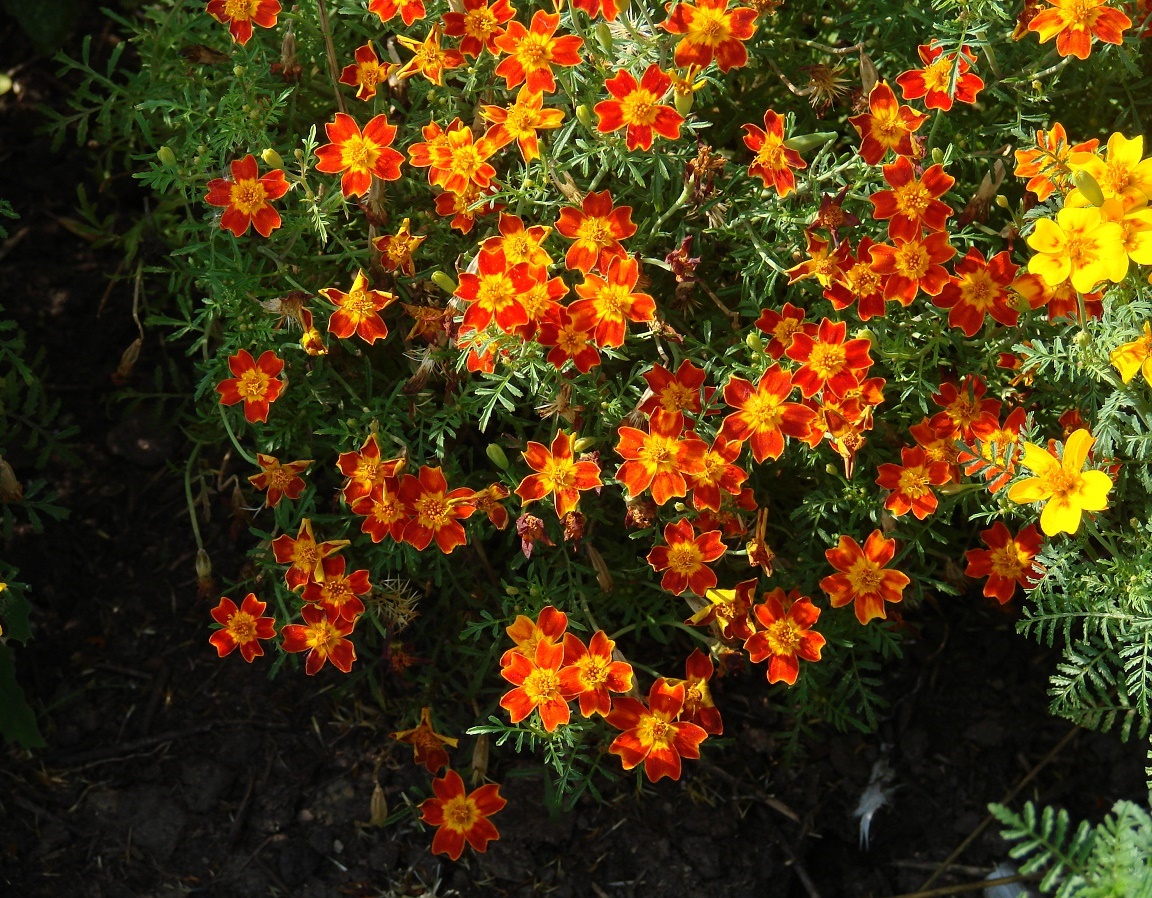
(46, 23)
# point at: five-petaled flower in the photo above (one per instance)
(246, 198)
(612, 301)
(304, 555)
(1079, 245)
(659, 459)
(279, 479)
(521, 121)
(655, 736)
(255, 382)
(934, 83)
(827, 361)
(366, 73)
(427, 744)
(338, 593)
(241, 15)
(864, 577)
(711, 31)
(557, 473)
(537, 685)
(495, 292)
(360, 155)
(243, 627)
(479, 25)
(763, 416)
(1075, 22)
(1128, 358)
(590, 673)
(637, 107)
(597, 230)
(1009, 560)
(911, 482)
(396, 249)
(436, 511)
(460, 815)
(912, 203)
(533, 51)
(787, 636)
(774, 162)
(358, 310)
(980, 287)
(686, 557)
(1066, 489)
(323, 637)
(886, 126)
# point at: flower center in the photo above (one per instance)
(359, 154)
(242, 627)
(659, 453)
(771, 154)
(710, 26)
(864, 576)
(763, 411)
(542, 685)
(240, 10)
(1006, 562)
(913, 482)
(783, 637)
(253, 385)
(533, 51)
(938, 74)
(912, 260)
(496, 292)
(827, 359)
(460, 814)
(639, 108)
(654, 732)
(685, 558)
(912, 199)
(432, 510)
(248, 196)
(596, 231)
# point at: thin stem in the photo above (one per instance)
(244, 453)
(189, 499)
(330, 53)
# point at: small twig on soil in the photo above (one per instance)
(984, 824)
(942, 891)
(126, 748)
(774, 803)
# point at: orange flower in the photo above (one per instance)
(304, 555)
(464, 207)
(436, 512)
(246, 198)
(366, 73)
(674, 394)
(279, 479)
(590, 674)
(480, 24)
(728, 610)
(637, 107)
(396, 249)
(323, 637)
(859, 283)
(533, 51)
(541, 300)
(686, 557)
(359, 155)
(461, 816)
(823, 263)
(763, 417)
(654, 736)
(610, 8)
(557, 473)
(548, 627)
(241, 15)
(1075, 22)
(255, 382)
(980, 288)
(410, 10)
(711, 31)
(911, 483)
(1008, 560)
(783, 326)
(597, 229)
(774, 162)
(457, 162)
(358, 310)
(719, 473)
(913, 202)
(366, 469)
(611, 302)
(886, 126)
(698, 705)
(488, 501)
(938, 446)
(787, 635)
(522, 120)
(1046, 165)
(863, 577)
(913, 265)
(537, 685)
(494, 293)
(1061, 300)
(338, 594)
(427, 744)
(659, 459)
(826, 361)
(569, 337)
(520, 243)
(244, 627)
(935, 83)
(966, 413)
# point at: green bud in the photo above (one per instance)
(802, 143)
(1082, 339)
(1002, 201)
(238, 70)
(683, 102)
(444, 282)
(496, 455)
(604, 37)
(272, 158)
(5, 84)
(754, 341)
(584, 115)
(1088, 186)
(583, 443)
(937, 155)
(166, 156)
(866, 333)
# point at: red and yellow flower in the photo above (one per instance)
(358, 310)
(323, 637)
(864, 578)
(597, 229)
(911, 483)
(366, 73)
(521, 121)
(1009, 560)
(479, 25)
(241, 15)
(886, 126)
(558, 473)
(1046, 164)
(360, 155)
(787, 635)
(384, 512)
(637, 107)
(912, 203)
(436, 511)
(686, 557)
(590, 673)
(827, 361)
(612, 301)
(549, 626)
(246, 198)
(711, 31)
(303, 555)
(728, 610)
(910, 266)
(338, 593)
(278, 479)
(774, 163)
(654, 736)
(980, 287)
(719, 474)
(396, 249)
(659, 460)
(859, 283)
(461, 816)
(533, 51)
(763, 416)
(936, 84)
(569, 337)
(255, 382)
(243, 627)
(495, 292)
(782, 326)
(1075, 22)
(409, 10)
(366, 468)
(427, 744)
(1060, 483)
(699, 708)
(674, 394)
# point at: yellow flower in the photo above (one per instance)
(1135, 356)
(1122, 173)
(1060, 482)
(1080, 244)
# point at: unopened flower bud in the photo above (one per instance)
(272, 158)
(584, 115)
(754, 341)
(683, 101)
(166, 156)
(497, 456)
(604, 37)
(583, 443)
(1002, 201)
(378, 807)
(5, 83)
(238, 70)
(1082, 339)
(802, 143)
(937, 155)
(444, 282)
(1088, 186)
(866, 333)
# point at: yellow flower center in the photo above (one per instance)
(460, 814)
(542, 685)
(533, 51)
(912, 199)
(593, 671)
(321, 636)
(676, 397)
(659, 453)
(783, 637)
(496, 292)
(979, 290)
(827, 360)
(561, 474)
(596, 231)
(242, 627)
(861, 280)
(913, 482)
(1007, 561)
(912, 260)
(248, 196)
(709, 26)
(685, 558)
(432, 511)
(240, 10)
(771, 154)
(359, 154)
(358, 303)
(639, 108)
(864, 576)
(253, 385)
(938, 74)
(763, 411)
(480, 23)
(654, 732)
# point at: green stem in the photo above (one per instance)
(189, 499)
(248, 457)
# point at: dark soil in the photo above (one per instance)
(169, 772)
